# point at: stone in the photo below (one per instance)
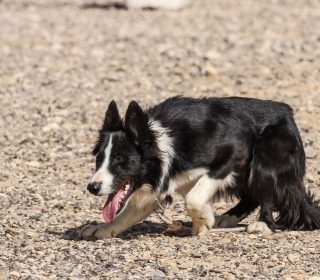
(293, 258)
(209, 70)
(35, 164)
(259, 227)
(50, 127)
(4, 273)
(157, 273)
(310, 152)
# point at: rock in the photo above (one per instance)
(3, 195)
(310, 152)
(286, 277)
(98, 52)
(14, 231)
(76, 272)
(165, 270)
(15, 274)
(212, 55)
(4, 273)
(159, 83)
(311, 178)
(293, 258)
(229, 276)
(35, 164)
(279, 267)
(50, 127)
(245, 266)
(158, 274)
(209, 70)
(258, 227)
(196, 255)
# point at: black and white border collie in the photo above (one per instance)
(202, 149)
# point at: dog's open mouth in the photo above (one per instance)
(116, 201)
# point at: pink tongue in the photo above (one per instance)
(110, 209)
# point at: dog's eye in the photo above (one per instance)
(119, 159)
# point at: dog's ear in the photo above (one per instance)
(112, 122)
(136, 122)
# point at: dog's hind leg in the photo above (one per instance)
(232, 217)
(278, 171)
(266, 204)
(271, 158)
(263, 185)
(199, 203)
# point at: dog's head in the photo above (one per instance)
(127, 158)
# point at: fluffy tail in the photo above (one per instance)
(299, 211)
(279, 166)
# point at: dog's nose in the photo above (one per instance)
(94, 187)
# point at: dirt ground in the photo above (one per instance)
(62, 61)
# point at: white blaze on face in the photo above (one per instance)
(103, 174)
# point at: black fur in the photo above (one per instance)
(257, 140)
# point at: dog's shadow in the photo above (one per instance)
(146, 228)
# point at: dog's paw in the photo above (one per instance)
(259, 227)
(200, 229)
(94, 231)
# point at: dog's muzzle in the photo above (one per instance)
(94, 187)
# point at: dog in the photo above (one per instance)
(202, 149)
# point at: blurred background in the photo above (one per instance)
(62, 61)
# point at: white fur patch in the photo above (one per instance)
(165, 145)
(229, 181)
(180, 182)
(184, 181)
(205, 189)
(103, 174)
(199, 201)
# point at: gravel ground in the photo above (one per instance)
(62, 61)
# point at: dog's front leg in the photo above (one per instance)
(199, 204)
(127, 218)
(139, 206)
